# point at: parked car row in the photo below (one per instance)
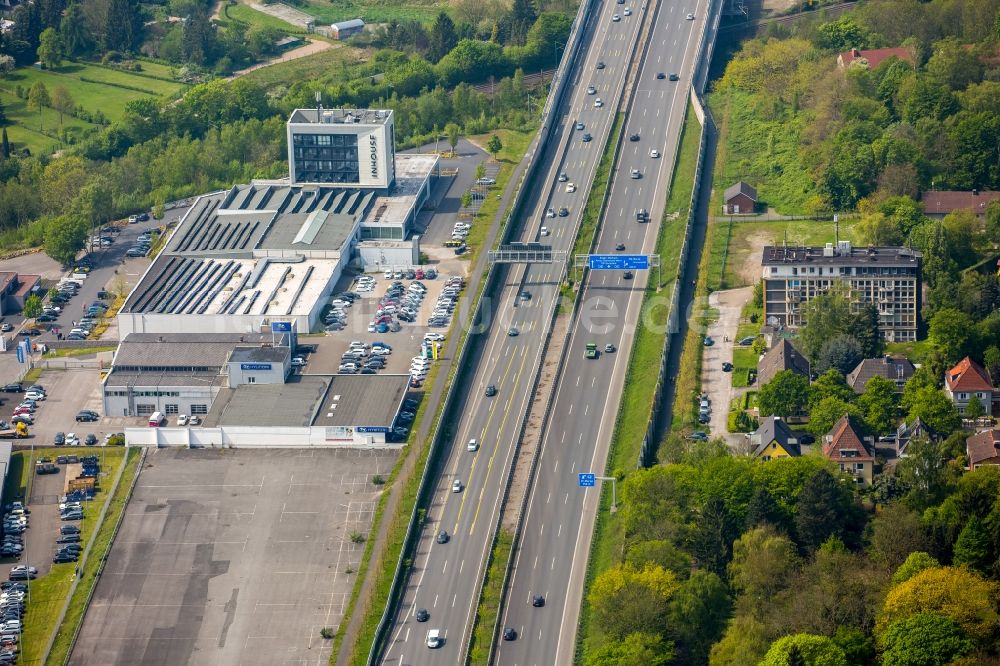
(15, 523)
(25, 412)
(441, 315)
(364, 358)
(402, 428)
(12, 600)
(336, 317)
(143, 244)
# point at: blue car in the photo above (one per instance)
(382, 328)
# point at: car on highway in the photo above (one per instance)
(510, 634)
(627, 275)
(563, 212)
(491, 391)
(674, 77)
(616, 18)
(598, 103)
(620, 247)
(627, 12)
(660, 76)
(654, 153)
(562, 176)
(570, 188)
(689, 17)
(456, 486)
(591, 90)
(609, 348)
(422, 615)
(513, 332)
(538, 601)
(472, 446)
(550, 212)
(636, 174)
(587, 138)
(600, 64)
(443, 537)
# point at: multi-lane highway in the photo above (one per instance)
(557, 528)
(445, 577)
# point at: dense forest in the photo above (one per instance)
(224, 132)
(817, 137)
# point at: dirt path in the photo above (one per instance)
(716, 383)
(314, 46)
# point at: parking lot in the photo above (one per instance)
(233, 557)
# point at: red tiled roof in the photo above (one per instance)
(984, 447)
(943, 202)
(968, 376)
(876, 57)
(846, 436)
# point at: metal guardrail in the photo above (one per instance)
(546, 412)
(556, 92)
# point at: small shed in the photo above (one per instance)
(740, 199)
(345, 29)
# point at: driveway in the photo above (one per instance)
(715, 382)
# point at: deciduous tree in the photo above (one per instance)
(64, 238)
(804, 649)
(697, 615)
(975, 547)
(787, 394)
(974, 408)
(914, 564)
(636, 649)
(827, 412)
(32, 306)
(626, 600)
(62, 102)
(454, 132)
(38, 99)
(935, 409)
(494, 146)
(50, 48)
(951, 332)
(878, 404)
(924, 639)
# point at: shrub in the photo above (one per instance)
(357, 537)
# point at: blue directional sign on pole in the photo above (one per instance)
(588, 480)
(618, 262)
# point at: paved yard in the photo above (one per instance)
(719, 384)
(233, 557)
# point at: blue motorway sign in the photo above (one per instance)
(588, 480)
(281, 327)
(618, 262)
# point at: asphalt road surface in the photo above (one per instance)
(444, 578)
(552, 556)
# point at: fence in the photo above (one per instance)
(556, 93)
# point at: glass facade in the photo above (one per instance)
(325, 158)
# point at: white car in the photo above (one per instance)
(72, 439)
(571, 187)
(456, 486)
(627, 12)
(194, 420)
(545, 231)
(591, 90)
(654, 153)
(616, 18)
(437, 337)
(381, 351)
(690, 17)
(182, 420)
(598, 103)
(34, 395)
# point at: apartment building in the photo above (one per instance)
(889, 277)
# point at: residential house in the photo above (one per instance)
(968, 379)
(937, 204)
(907, 432)
(774, 439)
(896, 369)
(739, 199)
(886, 277)
(872, 58)
(983, 448)
(848, 446)
(15, 289)
(782, 356)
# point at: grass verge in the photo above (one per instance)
(48, 593)
(592, 212)
(91, 570)
(307, 68)
(78, 351)
(643, 372)
(489, 602)
(243, 14)
(378, 11)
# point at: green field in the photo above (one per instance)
(372, 11)
(250, 16)
(310, 67)
(23, 125)
(104, 89)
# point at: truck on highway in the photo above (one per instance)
(591, 350)
(19, 431)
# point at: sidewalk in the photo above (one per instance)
(422, 438)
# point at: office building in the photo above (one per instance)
(342, 147)
(888, 277)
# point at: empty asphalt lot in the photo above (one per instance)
(233, 557)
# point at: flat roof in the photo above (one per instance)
(150, 350)
(276, 405)
(393, 209)
(776, 255)
(120, 378)
(317, 400)
(260, 355)
(340, 116)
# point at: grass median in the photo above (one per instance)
(89, 574)
(48, 593)
(636, 404)
(489, 601)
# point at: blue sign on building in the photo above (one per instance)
(255, 366)
(372, 429)
(618, 262)
(281, 327)
(588, 480)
